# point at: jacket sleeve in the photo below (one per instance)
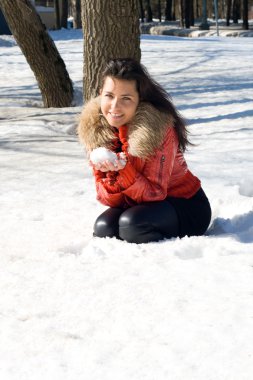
(150, 184)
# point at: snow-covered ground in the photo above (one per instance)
(73, 307)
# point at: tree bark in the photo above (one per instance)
(191, 8)
(39, 51)
(141, 10)
(197, 9)
(229, 3)
(168, 10)
(187, 13)
(236, 11)
(159, 11)
(182, 13)
(76, 13)
(64, 13)
(57, 14)
(245, 14)
(149, 13)
(111, 30)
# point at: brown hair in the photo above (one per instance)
(149, 91)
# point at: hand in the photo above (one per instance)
(107, 166)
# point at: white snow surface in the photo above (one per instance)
(74, 307)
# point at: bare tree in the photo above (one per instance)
(111, 30)
(236, 11)
(57, 14)
(141, 10)
(187, 13)
(168, 10)
(40, 52)
(159, 10)
(182, 12)
(197, 8)
(191, 12)
(245, 14)
(76, 13)
(64, 13)
(229, 4)
(148, 11)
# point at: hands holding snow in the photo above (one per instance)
(105, 160)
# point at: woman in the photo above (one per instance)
(149, 189)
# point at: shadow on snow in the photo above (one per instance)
(240, 226)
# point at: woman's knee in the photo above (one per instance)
(106, 224)
(135, 229)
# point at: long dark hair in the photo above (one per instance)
(149, 91)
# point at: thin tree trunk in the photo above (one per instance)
(76, 13)
(111, 30)
(245, 14)
(182, 13)
(174, 10)
(168, 10)
(236, 11)
(159, 11)
(149, 17)
(57, 14)
(187, 13)
(191, 13)
(40, 52)
(198, 10)
(64, 13)
(141, 10)
(229, 3)
(209, 8)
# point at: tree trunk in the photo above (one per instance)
(236, 11)
(192, 21)
(197, 9)
(174, 10)
(209, 8)
(168, 10)
(111, 30)
(182, 13)
(141, 10)
(64, 13)
(149, 14)
(229, 3)
(39, 51)
(57, 14)
(159, 11)
(245, 14)
(76, 13)
(187, 13)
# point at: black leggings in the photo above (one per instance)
(153, 221)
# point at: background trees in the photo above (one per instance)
(111, 29)
(188, 10)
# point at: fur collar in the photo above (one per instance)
(145, 133)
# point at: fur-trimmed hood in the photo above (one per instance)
(145, 133)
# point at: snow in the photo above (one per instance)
(78, 307)
(99, 155)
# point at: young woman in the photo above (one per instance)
(148, 187)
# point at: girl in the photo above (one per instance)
(148, 187)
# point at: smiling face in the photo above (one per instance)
(119, 101)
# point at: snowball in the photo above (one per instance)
(101, 154)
